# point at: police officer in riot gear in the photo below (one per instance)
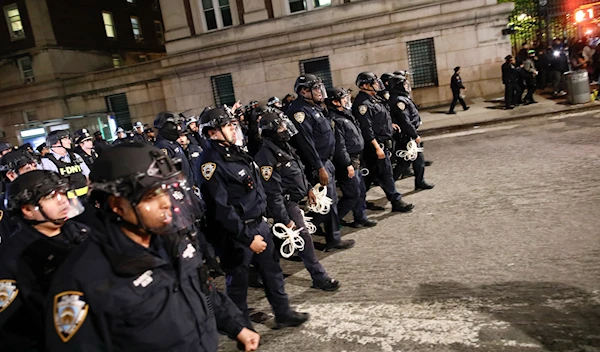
(348, 154)
(315, 143)
(85, 146)
(377, 130)
(68, 164)
(168, 133)
(44, 237)
(141, 286)
(100, 143)
(406, 115)
(274, 102)
(385, 93)
(236, 205)
(5, 147)
(282, 175)
(12, 165)
(192, 153)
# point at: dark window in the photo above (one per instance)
(297, 5)
(318, 66)
(421, 59)
(209, 14)
(223, 89)
(226, 13)
(160, 34)
(117, 104)
(26, 67)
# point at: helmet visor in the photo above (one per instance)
(319, 93)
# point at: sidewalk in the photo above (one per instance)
(491, 110)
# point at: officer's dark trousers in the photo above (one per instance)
(509, 94)
(418, 167)
(456, 98)
(354, 195)
(557, 77)
(383, 169)
(530, 90)
(330, 220)
(309, 258)
(270, 272)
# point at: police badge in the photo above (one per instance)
(70, 310)
(266, 172)
(299, 116)
(362, 109)
(8, 293)
(208, 170)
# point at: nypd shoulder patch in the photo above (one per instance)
(299, 116)
(165, 151)
(1, 215)
(401, 105)
(208, 170)
(362, 109)
(70, 311)
(386, 95)
(266, 172)
(8, 293)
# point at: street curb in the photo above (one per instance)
(440, 130)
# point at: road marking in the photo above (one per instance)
(468, 133)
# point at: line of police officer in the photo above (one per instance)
(147, 231)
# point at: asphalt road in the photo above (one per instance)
(503, 255)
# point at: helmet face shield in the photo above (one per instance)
(378, 85)
(318, 91)
(286, 126)
(167, 208)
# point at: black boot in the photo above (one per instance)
(327, 285)
(343, 244)
(424, 186)
(400, 206)
(292, 320)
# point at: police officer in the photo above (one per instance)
(194, 135)
(62, 160)
(168, 133)
(37, 201)
(456, 86)
(348, 154)
(192, 152)
(385, 93)
(5, 147)
(141, 286)
(315, 143)
(122, 137)
(85, 146)
(236, 204)
(138, 133)
(275, 103)
(377, 129)
(42, 149)
(406, 115)
(282, 175)
(150, 135)
(100, 143)
(12, 164)
(510, 77)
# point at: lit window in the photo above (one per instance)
(116, 61)
(217, 14)
(13, 19)
(142, 58)
(131, 1)
(160, 34)
(26, 68)
(304, 5)
(109, 24)
(137, 30)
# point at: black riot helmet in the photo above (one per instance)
(4, 146)
(385, 78)
(312, 83)
(369, 78)
(164, 117)
(274, 102)
(147, 174)
(33, 186)
(399, 84)
(55, 136)
(16, 159)
(214, 119)
(275, 126)
(338, 93)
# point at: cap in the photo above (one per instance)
(457, 68)
(508, 57)
(82, 135)
(120, 129)
(138, 124)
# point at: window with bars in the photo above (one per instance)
(160, 34)
(26, 67)
(217, 14)
(13, 19)
(319, 67)
(116, 59)
(109, 25)
(307, 5)
(421, 59)
(137, 30)
(223, 89)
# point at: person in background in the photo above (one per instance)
(456, 86)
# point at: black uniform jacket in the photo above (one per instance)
(28, 263)
(283, 177)
(112, 294)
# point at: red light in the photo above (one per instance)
(579, 16)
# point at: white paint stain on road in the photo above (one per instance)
(469, 133)
(388, 326)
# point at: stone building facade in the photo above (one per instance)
(254, 49)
